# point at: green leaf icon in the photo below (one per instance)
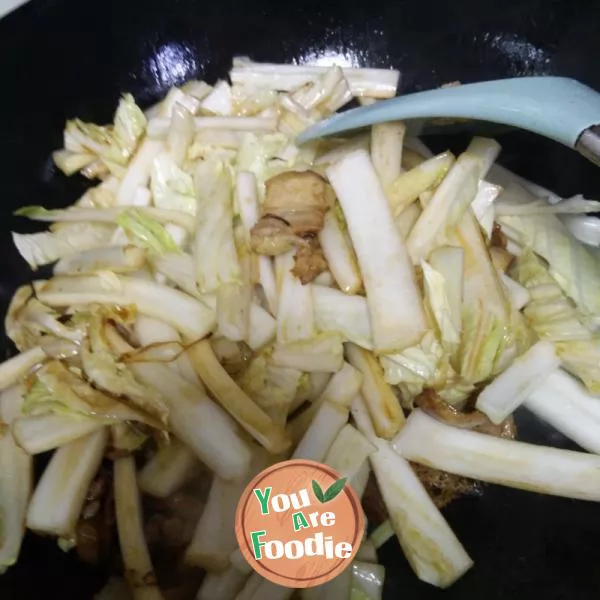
(318, 491)
(331, 492)
(334, 489)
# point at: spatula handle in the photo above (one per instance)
(559, 108)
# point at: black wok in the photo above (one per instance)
(65, 58)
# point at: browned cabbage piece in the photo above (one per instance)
(498, 238)
(94, 533)
(442, 487)
(172, 521)
(309, 261)
(169, 529)
(292, 213)
(373, 503)
(445, 487)
(419, 277)
(507, 429)
(501, 258)
(430, 402)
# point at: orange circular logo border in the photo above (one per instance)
(331, 567)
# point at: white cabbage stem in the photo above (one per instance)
(246, 195)
(368, 578)
(437, 296)
(15, 368)
(254, 420)
(502, 397)
(138, 171)
(136, 558)
(193, 417)
(179, 268)
(295, 317)
(199, 422)
(450, 200)
(46, 432)
(384, 408)
(563, 402)
(239, 562)
(375, 83)
(167, 470)
(188, 97)
(118, 259)
(360, 141)
(519, 295)
(106, 215)
(361, 479)
(60, 494)
(344, 314)
(515, 464)
(158, 127)
(407, 187)
(406, 220)
(367, 552)
(233, 311)
(152, 331)
(188, 315)
(340, 389)
(483, 206)
(585, 228)
(430, 546)
(348, 455)
(319, 437)
(449, 260)
(338, 588)
(339, 254)
(383, 258)
(323, 353)
(224, 586)
(16, 478)
(382, 534)
(263, 327)
(219, 101)
(214, 538)
(386, 150)
(215, 255)
(180, 134)
(485, 305)
(257, 588)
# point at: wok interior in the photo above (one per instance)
(61, 59)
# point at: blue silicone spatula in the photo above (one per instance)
(558, 108)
